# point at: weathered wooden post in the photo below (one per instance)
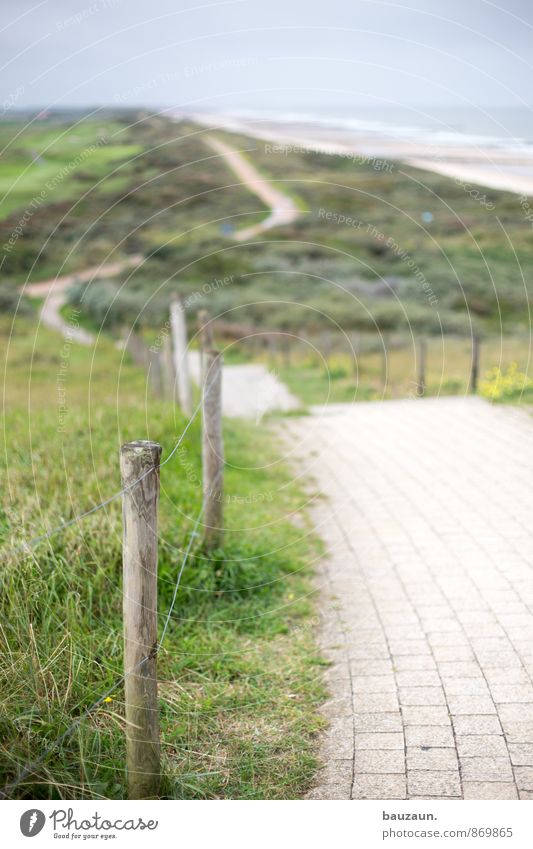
(384, 361)
(421, 384)
(327, 348)
(181, 363)
(354, 353)
(139, 560)
(212, 450)
(167, 370)
(474, 371)
(272, 349)
(137, 349)
(205, 329)
(286, 349)
(155, 372)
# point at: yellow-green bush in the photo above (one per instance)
(507, 385)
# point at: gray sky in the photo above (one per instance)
(265, 54)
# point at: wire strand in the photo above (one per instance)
(31, 543)
(29, 769)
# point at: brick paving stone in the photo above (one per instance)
(338, 706)
(378, 786)
(426, 783)
(428, 594)
(524, 777)
(414, 662)
(460, 669)
(338, 772)
(374, 702)
(486, 769)
(371, 761)
(489, 790)
(400, 648)
(377, 722)
(418, 678)
(453, 654)
(330, 791)
(422, 696)
(477, 725)
(383, 740)
(429, 735)
(521, 754)
(431, 758)
(433, 715)
(516, 712)
(512, 693)
(372, 668)
(373, 684)
(471, 703)
(466, 686)
(518, 732)
(481, 745)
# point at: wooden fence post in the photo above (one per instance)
(168, 371)
(212, 450)
(474, 372)
(206, 339)
(384, 361)
(206, 330)
(286, 348)
(354, 353)
(155, 372)
(421, 385)
(327, 347)
(181, 364)
(139, 560)
(272, 348)
(137, 349)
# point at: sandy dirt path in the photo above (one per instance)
(283, 210)
(54, 292)
(426, 597)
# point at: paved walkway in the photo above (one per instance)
(283, 210)
(427, 597)
(249, 391)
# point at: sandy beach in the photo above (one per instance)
(477, 160)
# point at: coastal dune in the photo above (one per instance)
(498, 163)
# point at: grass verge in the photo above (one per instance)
(239, 674)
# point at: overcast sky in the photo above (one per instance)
(265, 54)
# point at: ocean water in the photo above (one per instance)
(510, 128)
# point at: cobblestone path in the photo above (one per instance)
(426, 597)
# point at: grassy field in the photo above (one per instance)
(239, 674)
(387, 270)
(363, 367)
(75, 194)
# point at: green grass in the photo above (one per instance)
(239, 673)
(156, 188)
(151, 186)
(66, 156)
(340, 377)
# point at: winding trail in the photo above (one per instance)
(249, 391)
(54, 292)
(283, 210)
(426, 597)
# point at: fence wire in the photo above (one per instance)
(31, 767)
(27, 545)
